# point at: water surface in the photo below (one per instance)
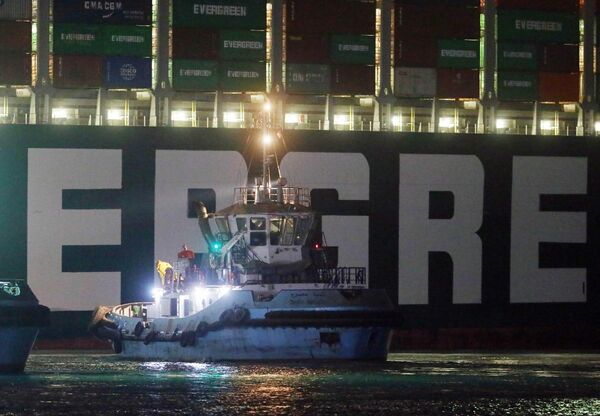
(407, 384)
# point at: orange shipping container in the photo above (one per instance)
(556, 87)
(458, 83)
(15, 36)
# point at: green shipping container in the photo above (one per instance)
(127, 40)
(352, 49)
(242, 45)
(307, 79)
(220, 14)
(517, 86)
(459, 54)
(242, 76)
(517, 56)
(189, 75)
(530, 25)
(74, 39)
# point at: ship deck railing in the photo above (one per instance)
(290, 195)
(343, 276)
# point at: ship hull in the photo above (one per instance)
(273, 343)
(15, 345)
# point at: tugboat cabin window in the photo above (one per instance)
(275, 231)
(222, 225)
(302, 227)
(241, 224)
(258, 234)
(287, 231)
(258, 223)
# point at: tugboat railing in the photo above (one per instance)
(290, 195)
(334, 276)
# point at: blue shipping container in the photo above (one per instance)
(127, 72)
(136, 12)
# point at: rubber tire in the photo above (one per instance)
(117, 346)
(139, 328)
(240, 315)
(202, 329)
(226, 316)
(150, 337)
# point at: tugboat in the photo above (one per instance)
(21, 317)
(268, 290)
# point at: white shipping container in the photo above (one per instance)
(15, 10)
(415, 82)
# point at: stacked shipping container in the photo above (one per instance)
(15, 42)
(102, 44)
(538, 51)
(330, 47)
(437, 48)
(219, 44)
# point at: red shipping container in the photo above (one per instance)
(458, 23)
(416, 52)
(15, 69)
(195, 43)
(77, 71)
(15, 37)
(457, 83)
(559, 87)
(331, 16)
(352, 16)
(454, 3)
(306, 16)
(440, 21)
(568, 6)
(352, 80)
(558, 58)
(307, 49)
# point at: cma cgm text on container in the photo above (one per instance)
(459, 228)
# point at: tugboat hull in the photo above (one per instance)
(15, 346)
(269, 343)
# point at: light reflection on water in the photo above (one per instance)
(407, 384)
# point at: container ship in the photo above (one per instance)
(437, 150)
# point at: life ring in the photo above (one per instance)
(202, 329)
(240, 315)
(226, 316)
(139, 328)
(149, 337)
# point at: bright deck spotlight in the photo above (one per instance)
(60, 113)
(114, 114)
(546, 125)
(446, 122)
(292, 118)
(501, 123)
(267, 139)
(267, 107)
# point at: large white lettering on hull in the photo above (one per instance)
(419, 235)
(177, 171)
(49, 227)
(533, 177)
(348, 173)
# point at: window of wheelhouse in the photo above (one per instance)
(223, 227)
(302, 228)
(275, 231)
(241, 224)
(287, 231)
(258, 231)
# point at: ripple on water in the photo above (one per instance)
(408, 384)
